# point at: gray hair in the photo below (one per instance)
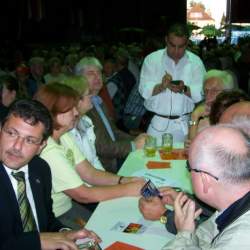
(225, 77)
(228, 165)
(86, 62)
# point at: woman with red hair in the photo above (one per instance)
(71, 172)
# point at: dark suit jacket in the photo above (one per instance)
(11, 235)
(107, 150)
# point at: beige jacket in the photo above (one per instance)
(235, 236)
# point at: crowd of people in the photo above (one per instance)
(70, 118)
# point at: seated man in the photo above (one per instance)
(219, 162)
(112, 144)
(26, 216)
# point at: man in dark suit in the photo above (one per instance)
(23, 134)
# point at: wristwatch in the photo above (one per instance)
(193, 123)
(164, 218)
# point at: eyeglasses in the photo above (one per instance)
(212, 91)
(29, 140)
(199, 171)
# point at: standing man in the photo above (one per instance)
(171, 83)
(25, 193)
(219, 160)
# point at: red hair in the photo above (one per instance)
(58, 98)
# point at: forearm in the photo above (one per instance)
(193, 129)
(85, 194)
(93, 176)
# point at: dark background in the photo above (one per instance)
(65, 20)
(74, 20)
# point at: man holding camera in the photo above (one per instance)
(171, 83)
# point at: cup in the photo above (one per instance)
(167, 143)
(150, 146)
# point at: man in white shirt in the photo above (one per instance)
(171, 102)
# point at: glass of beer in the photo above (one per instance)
(150, 146)
(167, 143)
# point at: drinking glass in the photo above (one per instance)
(150, 146)
(167, 142)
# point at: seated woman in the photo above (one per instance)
(215, 81)
(84, 129)
(70, 170)
(223, 101)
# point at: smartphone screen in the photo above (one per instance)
(150, 190)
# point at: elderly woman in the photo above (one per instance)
(71, 172)
(215, 81)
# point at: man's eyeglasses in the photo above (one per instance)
(29, 140)
(199, 171)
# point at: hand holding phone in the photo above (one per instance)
(150, 190)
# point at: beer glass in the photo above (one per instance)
(150, 146)
(167, 143)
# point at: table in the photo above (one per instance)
(125, 210)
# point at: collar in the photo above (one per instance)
(24, 169)
(184, 58)
(233, 212)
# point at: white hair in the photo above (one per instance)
(225, 77)
(86, 62)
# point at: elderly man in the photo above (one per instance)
(111, 143)
(171, 102)
(219, 163)
(25, 194)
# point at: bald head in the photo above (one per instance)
(239, 108)
(223, 151)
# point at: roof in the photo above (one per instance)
(196, 13)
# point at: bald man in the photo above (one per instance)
(239, 108)
(219, 160)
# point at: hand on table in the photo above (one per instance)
(185, 213)
(152, 208)
(65, 240)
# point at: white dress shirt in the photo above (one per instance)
(85, 137)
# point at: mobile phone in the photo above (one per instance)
(150, 190)
(176, 82)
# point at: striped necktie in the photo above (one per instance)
(27, 217)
